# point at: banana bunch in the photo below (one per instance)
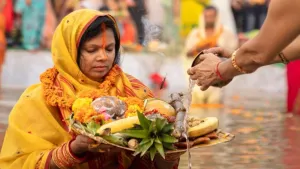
(155, 136)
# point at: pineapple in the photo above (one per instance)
(155, 136)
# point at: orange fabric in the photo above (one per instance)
(210, 41)
(8, 14)
(129, 35)
(2, 40)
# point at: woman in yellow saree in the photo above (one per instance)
(85, 51)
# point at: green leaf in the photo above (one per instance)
(169, 146)
(137, 151)
(144, 141)
(92, 127)
(146, 147)
(144, 122)
(71, 120)
(152, 152)
(83, 127)
(168, 139)
(116, 140)
(152, 128)
(157, 140)
(137, 127)
(168, 128)
(160, 149)
(135, 133)
(160, 123)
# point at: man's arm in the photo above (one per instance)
(280, 28)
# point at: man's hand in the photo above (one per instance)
(205, 71)
(221, 52)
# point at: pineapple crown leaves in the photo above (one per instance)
(155, 136)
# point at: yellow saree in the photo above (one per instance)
(36, 123)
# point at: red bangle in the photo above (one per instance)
(64, 158)
(218, 73)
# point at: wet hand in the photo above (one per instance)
(205, 72)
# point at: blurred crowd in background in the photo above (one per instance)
(30, 24)
(173, 27)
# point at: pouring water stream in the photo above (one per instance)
(187, 100)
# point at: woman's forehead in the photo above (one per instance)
(105, 37)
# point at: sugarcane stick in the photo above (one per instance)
(179, 127)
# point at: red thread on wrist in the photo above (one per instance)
(218, 72)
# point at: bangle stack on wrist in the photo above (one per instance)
(64, 158)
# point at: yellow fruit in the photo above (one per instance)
(205, 126)
(162, 107)
(119, 125)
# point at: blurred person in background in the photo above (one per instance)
(55, 11)
(137, 10)
(259, 11)
(240, 13)
(243, 10)
(209, 33)
(118, 9)
(32, 13)
(2, 36)
(225, 13)
(7, 11)
(50, 25)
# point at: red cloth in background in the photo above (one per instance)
(157, 79)
(8, 14)
(293, 79)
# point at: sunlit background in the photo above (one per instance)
(159, 40)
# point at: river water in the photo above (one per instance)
(263, 140)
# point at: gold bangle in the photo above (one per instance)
(233, 61)
(283, 58)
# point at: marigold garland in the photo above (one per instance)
(81, 103)
(53, 96)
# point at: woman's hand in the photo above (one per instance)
(205, 72)
(83, 144)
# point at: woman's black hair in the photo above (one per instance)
(94, 29)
